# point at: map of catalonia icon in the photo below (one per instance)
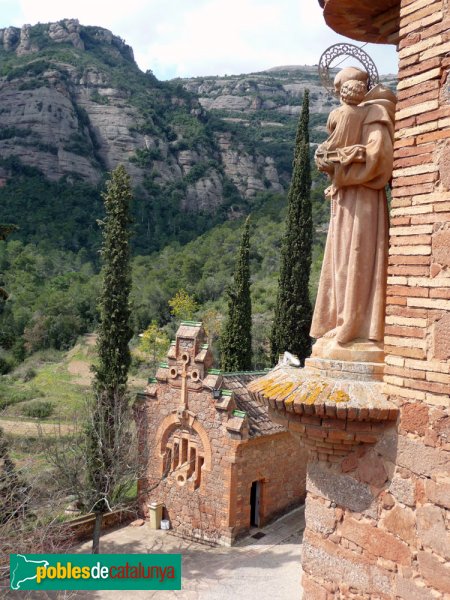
(23, 569)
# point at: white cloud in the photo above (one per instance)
(201, 37)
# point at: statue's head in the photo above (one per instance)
(350, 74)
(353, 91)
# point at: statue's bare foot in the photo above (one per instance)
(331, 334)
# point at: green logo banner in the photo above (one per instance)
(95, 571)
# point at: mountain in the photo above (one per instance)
(74, 104)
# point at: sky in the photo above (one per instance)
(187, 38)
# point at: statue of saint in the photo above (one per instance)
(358, 157)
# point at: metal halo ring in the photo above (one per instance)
(337, 50)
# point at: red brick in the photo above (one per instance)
(333, 424)
(409, 260)
(433, 30)
(413, 190)
(403, 372)
(404, 142)
(440, 293)
(315, 432)
(311, 420)
(433, 137)
(415, 90)
(359, 426)
(400, 221)
(429, 218)
(403, 290)
(433, 115)
(410, 240)
(340, 435)
(409, 40)
(401, 202)
(425, 65)
(416, 159)
(406, 352)
(396, 300)
(411, 180)
(415, 150)
(411, 270)
(416, 332)
(411, 100)
(427, 386)
(402, 123)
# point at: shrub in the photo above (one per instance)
(38, 410)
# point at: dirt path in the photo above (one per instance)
(82, 370)
(28, 428)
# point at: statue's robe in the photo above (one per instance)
(352, 288)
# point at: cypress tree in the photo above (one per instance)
(107, 434)
(293, 311)
(236, 341)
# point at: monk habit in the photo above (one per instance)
(352, 288)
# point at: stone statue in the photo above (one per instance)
(349, 314)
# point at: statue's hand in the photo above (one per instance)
(322, 161)
(324, 165)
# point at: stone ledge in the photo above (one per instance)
(332, 406)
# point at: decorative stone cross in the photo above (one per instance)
(194, 375)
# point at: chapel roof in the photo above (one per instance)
(258, 418)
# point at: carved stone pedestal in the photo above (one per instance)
(330, 405)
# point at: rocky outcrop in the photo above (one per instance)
(250, 174)
(75, 115)
(67, 31)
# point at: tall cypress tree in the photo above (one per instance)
(236, 342)
(107, 434)
(293, 311)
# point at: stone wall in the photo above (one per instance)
(378, 522)
(216, 508)
(201, 512)
(280, 465)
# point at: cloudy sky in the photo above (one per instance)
(202, 37)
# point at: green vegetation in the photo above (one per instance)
(236, 340)
(114, 331)
(293, 310)
(107, 432)
(38, 410)
(51, 263)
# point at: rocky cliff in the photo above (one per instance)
(74, 103)
(256, 118)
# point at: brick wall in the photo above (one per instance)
(280, 464)
(201, 512)
(218, 510)
(378, 524)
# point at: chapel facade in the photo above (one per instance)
(213, 457)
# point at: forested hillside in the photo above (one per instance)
(203, 153)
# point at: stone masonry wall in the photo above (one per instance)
(280, 464)
(378, 524)
(218, 510)
(202, 512)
